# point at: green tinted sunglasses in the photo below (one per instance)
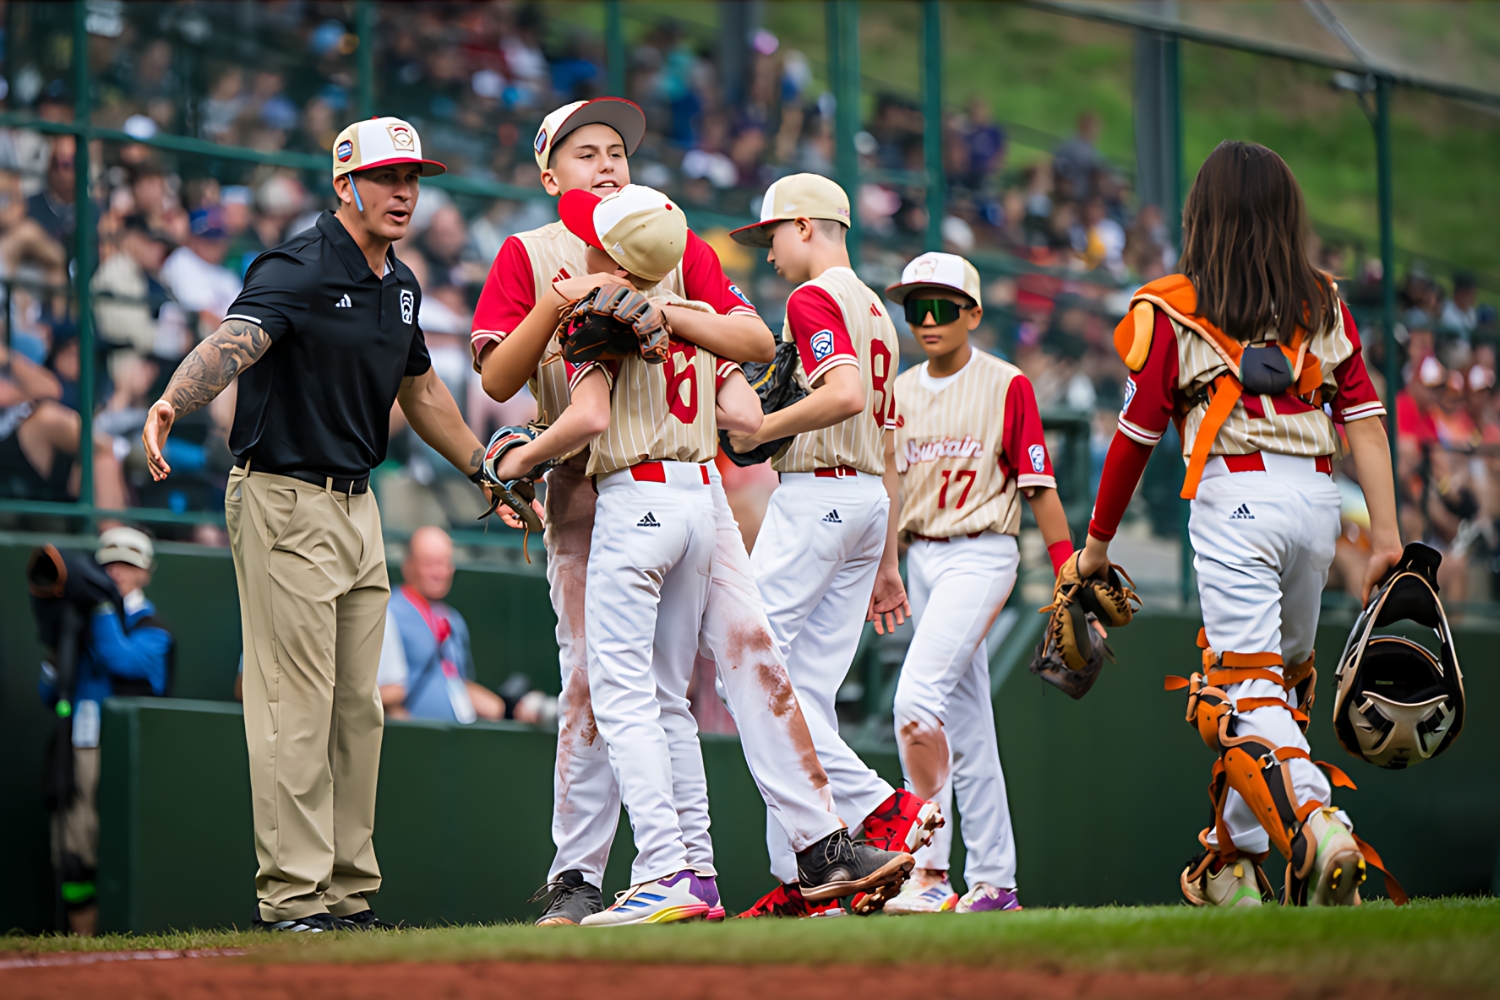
(943, 311)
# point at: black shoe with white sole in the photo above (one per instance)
(836, 866)
(313, 923)
(366, 920)
(572, 900)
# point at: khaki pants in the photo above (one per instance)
(313, 590)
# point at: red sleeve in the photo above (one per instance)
(509, 294)
(703, 279)
(723, 370)
(1355, 398)
(1024, 450)
(1123, 466)
(817, 325)
(575, 373)
(1150, 394)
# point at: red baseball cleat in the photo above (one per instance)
(787, 901)
(902, 822)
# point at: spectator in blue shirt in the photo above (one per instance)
(130, 657)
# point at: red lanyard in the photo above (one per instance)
(441, 629)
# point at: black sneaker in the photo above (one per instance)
(837, 866)
(366, 920)
(572, 900)
(313, 923)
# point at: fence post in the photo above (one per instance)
(1392, 366)
(932, 120)
(364, 30)
(843, 71)
(83, 251)
(614, 47)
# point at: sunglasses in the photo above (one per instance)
(942, 311)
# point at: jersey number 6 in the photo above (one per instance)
(681, 374)
(957, 477)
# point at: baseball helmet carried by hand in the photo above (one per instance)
(1397, 703)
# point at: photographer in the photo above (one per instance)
(125, 657)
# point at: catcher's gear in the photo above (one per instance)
(776, 383)
(1397, 703)
(518, 493)
(613, 322)
(1240, 880)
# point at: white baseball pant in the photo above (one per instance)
(945, 722)
(648, 581)
(1263, 542)
(815, 560)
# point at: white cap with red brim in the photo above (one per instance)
(380, 142)
(638, 227)
(625, 117)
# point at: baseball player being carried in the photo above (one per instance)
(1250, 349)
(651, 424)
(968, 445)
(826, 555)
(584, 147)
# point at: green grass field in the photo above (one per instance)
(1450, 943)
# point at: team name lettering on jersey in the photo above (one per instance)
(965, 447)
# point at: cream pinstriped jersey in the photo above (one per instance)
(660, 412)
(1309, 433)
(858, 441)
(955, 476)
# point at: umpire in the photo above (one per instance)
(324, 339)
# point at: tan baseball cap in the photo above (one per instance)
(936, 270)
(637, 226)
(380, 142)
(625, 117)
(806, 196)
(126, 545)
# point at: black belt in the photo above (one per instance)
(337, 484)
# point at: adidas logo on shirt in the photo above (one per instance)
(1242, 513)
(832, 517)
(649, 521)
(344, 302)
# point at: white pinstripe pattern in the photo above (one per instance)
(860, 440)
(958, 430)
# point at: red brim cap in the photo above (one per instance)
(576, 209)
(430, 168)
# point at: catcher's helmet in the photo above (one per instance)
(1397, 703)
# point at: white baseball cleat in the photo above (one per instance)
(683, 896)
(1339, 868)
(1236, 883)
(923, 896)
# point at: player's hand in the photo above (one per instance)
(512, 521)
(573, 289)
(888, 603)
(154, 437)
(1382, 559)
(1094, 558)
(744, 442)
(514, 464)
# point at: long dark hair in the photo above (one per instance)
(1243, 246)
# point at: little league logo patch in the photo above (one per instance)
(408, 303)
(1129, 393)
(402, 137)
(1038, 456)
(345, 151)
(822, 344)
(541, 141)
(735, 291)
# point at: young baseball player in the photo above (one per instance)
(649, 585)
(826, 553)
(584, 146)
(968, 445)
(1251, 351)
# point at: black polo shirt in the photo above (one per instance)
(342, 340)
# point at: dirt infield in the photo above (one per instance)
(158, 977)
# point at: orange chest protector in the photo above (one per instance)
(1270, 369)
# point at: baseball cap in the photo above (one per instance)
(936, 270)
(637, 226)
(380, 142)
(807, 196)
(625, 117)
(207, 223)
(126, 545)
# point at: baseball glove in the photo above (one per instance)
(775, 382)
(517, 494)
(1072, 652)
(613, 322)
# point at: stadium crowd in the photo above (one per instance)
(1059, 233)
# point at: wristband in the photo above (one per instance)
(1059, 552)
(477, 476)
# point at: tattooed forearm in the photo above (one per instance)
(203, 374)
